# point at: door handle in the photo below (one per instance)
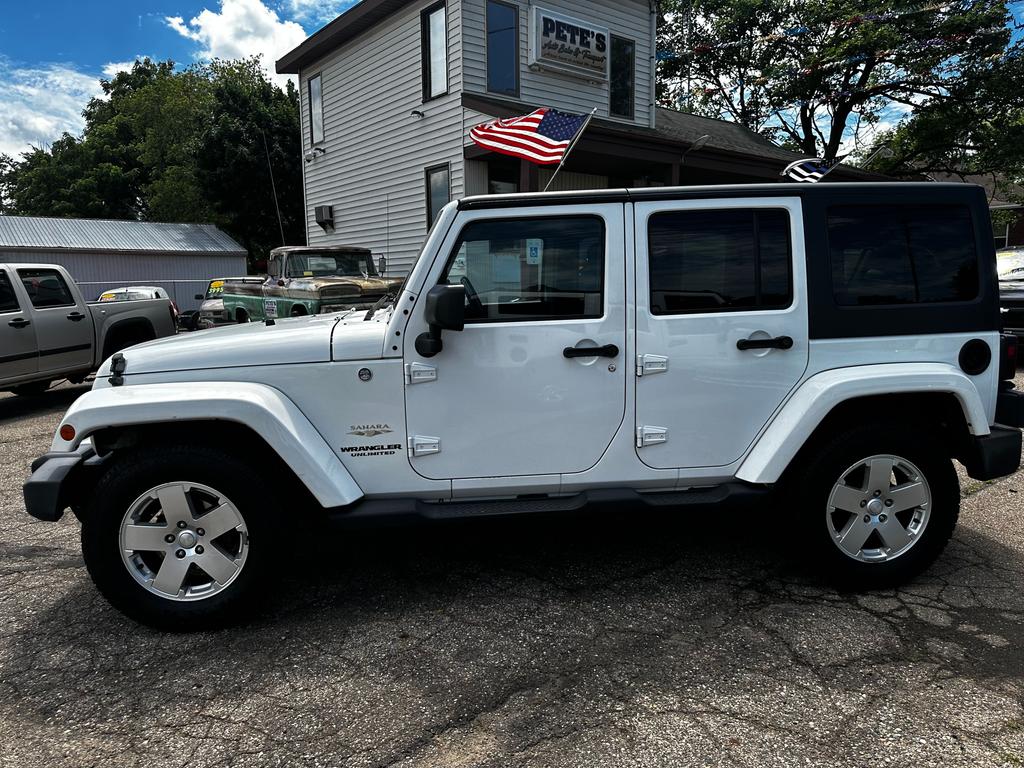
(608, 350)
(19, 322)
(779, 342)
(76, 316)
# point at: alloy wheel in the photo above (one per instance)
(184, 541)
(878, 508)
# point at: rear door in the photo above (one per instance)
(721, 325)
(64, 329)
(17, 334)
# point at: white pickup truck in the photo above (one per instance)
(48, 331)
(819, 353)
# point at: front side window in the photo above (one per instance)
(623, 78)
(719, 261)
(434, 43)
(530, 269)
(46, 288)
(502, 48)
(887, 255)
(438, 191)
(316, 109)
(8, 301)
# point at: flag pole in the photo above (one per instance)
(569, 149)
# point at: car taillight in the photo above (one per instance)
(1007, 356)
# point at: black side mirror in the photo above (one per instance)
(200, 297)
(382, 266)
(445, 310)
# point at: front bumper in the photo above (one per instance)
(49, 491)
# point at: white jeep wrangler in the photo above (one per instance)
(836, 343)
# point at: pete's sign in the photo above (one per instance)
(568, 45)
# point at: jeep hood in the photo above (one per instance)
(315, 339)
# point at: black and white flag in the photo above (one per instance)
(810, 171)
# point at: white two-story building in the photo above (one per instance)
(391, 88)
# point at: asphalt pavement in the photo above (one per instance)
(626, 640)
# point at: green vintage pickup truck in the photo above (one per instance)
(309, 280)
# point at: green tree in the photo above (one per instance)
(163, 144)
(978, 129)
(816, 74)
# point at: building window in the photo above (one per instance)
(502, 48)
(719, 261)
(439, 192)
(623, 78)
(316, 109)
(434, 34)
(530, 269)
(902, 255)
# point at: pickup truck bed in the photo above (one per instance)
(48, 331)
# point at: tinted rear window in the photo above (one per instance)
(719, 260)
(892, 255)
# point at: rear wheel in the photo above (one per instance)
(879, 505)
(175, 537)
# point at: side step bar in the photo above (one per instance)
(370, 512)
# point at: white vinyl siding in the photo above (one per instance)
(630, 19)
(376, 151)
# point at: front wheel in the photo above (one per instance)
(176, 537)
(879, 506)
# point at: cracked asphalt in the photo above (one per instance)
(631, 640)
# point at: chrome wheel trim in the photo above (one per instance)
(878, 508)
(183, 541)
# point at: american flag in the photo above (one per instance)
(808, 171)
(542, 137)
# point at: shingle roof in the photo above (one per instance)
(109, 235)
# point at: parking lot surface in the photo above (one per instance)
(625, 640)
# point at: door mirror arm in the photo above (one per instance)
(445, 311)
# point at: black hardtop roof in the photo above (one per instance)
(650, 194)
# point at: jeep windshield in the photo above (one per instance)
(330, 265)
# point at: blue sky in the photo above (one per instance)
(53, 54)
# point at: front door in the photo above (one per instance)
(519, 392)
(63, 328)
(17, 334)
(721, 325)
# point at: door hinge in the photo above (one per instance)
(646, 436)
(647, 365)
(419, 445)
(419, 373)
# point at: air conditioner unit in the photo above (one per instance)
(325, 216)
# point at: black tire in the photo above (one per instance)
(131, 475)
(241, 316)
(814, 483)
(32, 388)
(298, 311)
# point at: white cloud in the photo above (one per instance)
(111, 69)
(316, 12)
(39, 103)
(241, 28)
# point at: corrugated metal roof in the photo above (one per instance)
(110, 235)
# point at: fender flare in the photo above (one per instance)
(265, 410)
(813, 400)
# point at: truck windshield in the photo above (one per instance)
(329, 265)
